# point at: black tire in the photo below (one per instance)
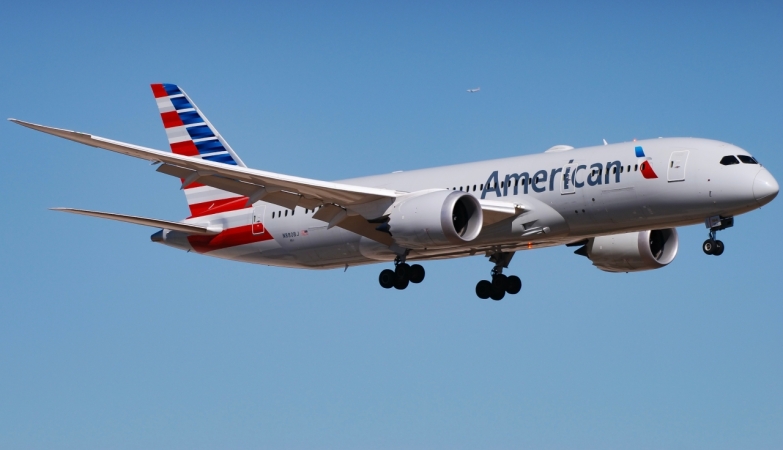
(403, 271)
(483, 289)
(708, 246)
(499, 282)
(513, 285)
(401, 283)
(497, 293)
(387, 278)
(416, 273)
(718, 248)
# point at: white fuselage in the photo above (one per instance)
(575, 198)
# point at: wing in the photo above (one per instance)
(241, 180)
(157, 223)
(347, 206)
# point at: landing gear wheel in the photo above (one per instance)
(401, 283)
(416, 273)
(708, 246)
(499, 282)
(718, 250)
(497, 293)
(387, 278)
(513, 285)
(402, 276)
(483, 289)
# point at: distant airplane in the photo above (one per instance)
(618, 203)
(474, 90)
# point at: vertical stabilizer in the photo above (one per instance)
(190, 134)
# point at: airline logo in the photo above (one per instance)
(644, 166)
(188, 132)
(594, 175)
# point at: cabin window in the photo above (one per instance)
(482, 186)
(474, 188)
(729, 160)
(273, 215)
(636, 167)
(293, 211)
(747, 159)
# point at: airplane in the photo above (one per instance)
(619, 204)
(474, 90)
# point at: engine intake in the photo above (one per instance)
(435, 219)
(633, 252)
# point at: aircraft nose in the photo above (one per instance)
(765, 188)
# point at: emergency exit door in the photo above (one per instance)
(257, 221)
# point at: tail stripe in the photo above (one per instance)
(190, 134)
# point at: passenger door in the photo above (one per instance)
(676, 169)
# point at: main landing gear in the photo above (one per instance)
(500, 284)
(401, 275)
(713, 246)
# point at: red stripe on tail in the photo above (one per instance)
(217, 206)
(227, 238)
(171, 119)
(158, 91)
(184, 148)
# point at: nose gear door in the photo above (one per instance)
(676, 169)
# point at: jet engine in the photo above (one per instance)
(434, 219)
(632, 252)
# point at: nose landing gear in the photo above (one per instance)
(713, 246)
(402, 275)
(500, 284)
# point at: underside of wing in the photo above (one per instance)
(157, 223)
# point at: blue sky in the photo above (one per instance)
(110, 341)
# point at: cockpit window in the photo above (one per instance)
(729, 160)
(747, 159)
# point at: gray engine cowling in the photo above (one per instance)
(633, 252)
(435, 219)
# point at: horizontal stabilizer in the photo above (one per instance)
(176, 226)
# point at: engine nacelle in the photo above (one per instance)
(633, 252)
(435, 219)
